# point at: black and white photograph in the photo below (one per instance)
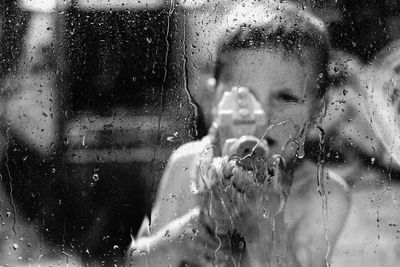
(200, 133)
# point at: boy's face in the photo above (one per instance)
(282, 84)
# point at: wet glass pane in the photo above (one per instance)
(199, 133)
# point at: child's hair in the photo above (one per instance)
(277, 26)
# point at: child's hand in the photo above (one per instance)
(238, 200)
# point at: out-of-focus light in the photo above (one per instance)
(120, 4)
(45, 6)
(193, 4)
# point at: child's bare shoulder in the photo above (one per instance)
(175, 193)
(309, 176)
(313, 190)
(190, 150)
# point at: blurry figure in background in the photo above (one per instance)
(264, 203)
(29, 136)
(362, 145)
(378, 86)
(13, 24)
(364, 109)
(382, 95)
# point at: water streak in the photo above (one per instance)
(186, 74)
(321, 191)
(162, 93)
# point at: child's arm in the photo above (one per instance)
(176, 194)
(183, 240)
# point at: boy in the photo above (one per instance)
(214, 210)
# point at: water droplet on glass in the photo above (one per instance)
(265, 213)
(172, 137)
(300, 152)
(96, 177)
(195, 231)
(166, 233)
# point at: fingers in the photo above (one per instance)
(215, 169)
(206, 179)
(242, 179)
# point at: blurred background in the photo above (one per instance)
(96, 94)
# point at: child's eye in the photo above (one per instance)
(287, 97)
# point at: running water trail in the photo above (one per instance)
(322, 193)
(10, 183)
(186, 75)
(278, 176)
(162, 93)
(157, 145)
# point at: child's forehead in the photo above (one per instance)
(265, 61)
(305, 57)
